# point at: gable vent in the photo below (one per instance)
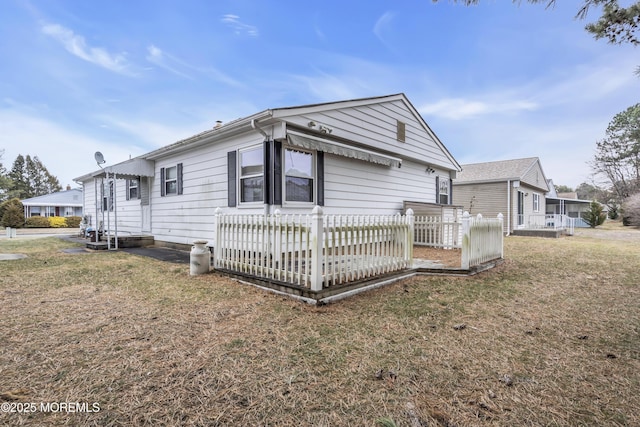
(401, 130)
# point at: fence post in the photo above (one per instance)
(501, 218)
(409, 242)
(216, 248)
(277, 230)
(317, 229)
(466, 240)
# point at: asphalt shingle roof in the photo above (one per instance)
(495, 171)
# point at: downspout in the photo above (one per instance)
(254, 125)
(509, 207)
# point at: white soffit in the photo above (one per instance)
(311, 142)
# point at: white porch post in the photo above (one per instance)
(466, 240)
(317, 229)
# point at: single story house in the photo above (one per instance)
(516, 188)
(61, 203)
(361, 157)
(567, 204)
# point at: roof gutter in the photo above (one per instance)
(227, 130)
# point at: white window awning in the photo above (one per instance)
(130, 169)
(311, 142)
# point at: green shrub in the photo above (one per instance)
(37, 222)
(13, 213)
(595, 215)
(73, 221)
(57, 222)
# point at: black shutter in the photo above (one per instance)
(128, 186)
(450, 191)
(231, 179)
(179, 172)
(139, 187)
(320, 178)
(277, 173)
(162, 188)
(437, 189)
(266, 171)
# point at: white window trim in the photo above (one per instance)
(166, 172)
(314, 174)
(137, 187)
(444, 179)
(240, 177)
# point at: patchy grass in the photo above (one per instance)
(551, 337)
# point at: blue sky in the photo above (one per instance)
(494, 81)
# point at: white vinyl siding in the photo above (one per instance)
(376, 126)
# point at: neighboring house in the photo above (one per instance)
(362, 156)
(62, 203)
(515, 188)
(567, 204)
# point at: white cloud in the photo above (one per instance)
(66, 153)
(76, 45)
(460, 108)
(181, 68)
(382, 25)
(239, 27)
(158, 57)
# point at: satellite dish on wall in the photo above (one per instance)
(99, 158)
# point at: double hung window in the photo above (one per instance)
(298, 176)
(443, 191)
(252, 175)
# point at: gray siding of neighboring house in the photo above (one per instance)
(488, 199)
(535, 178)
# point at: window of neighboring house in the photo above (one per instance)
(251, 175)
(133, 189)
(107, 195)
(170, 181)
(443, 191)
(299, 176)
(536, 202)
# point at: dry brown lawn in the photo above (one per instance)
(550, 337)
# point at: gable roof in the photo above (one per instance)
(501, 171)
(311, 108)
(268, 116)
(71, 197)
(496, 171)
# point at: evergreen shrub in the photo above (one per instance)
(73, 221)
(37, 222)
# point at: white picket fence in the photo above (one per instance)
(437, 232)
(317, 251)
(313, 251)
(482, 239)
